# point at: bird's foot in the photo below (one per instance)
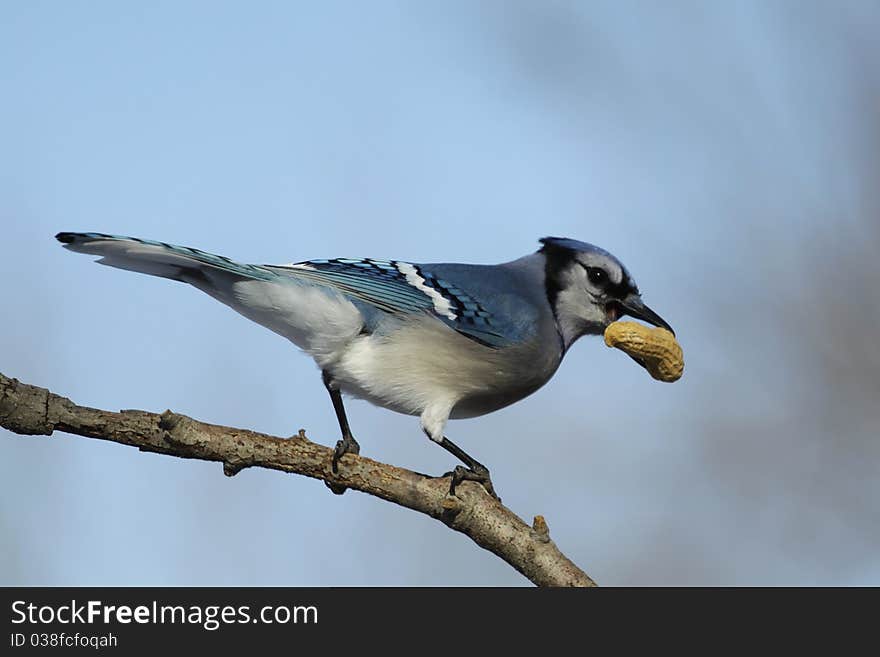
(478, 473)
(348, 445)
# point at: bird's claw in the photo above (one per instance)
(348, 445)
(479, 473)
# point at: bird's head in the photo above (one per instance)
(588, 288)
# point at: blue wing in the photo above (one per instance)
(397, 287)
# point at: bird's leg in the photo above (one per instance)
(475, 471)
(348, 445)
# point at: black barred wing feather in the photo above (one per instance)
(393, 286)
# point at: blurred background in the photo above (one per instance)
(728, 153)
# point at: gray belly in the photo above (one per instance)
(479, 404)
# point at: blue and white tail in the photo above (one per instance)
(315, 317)
(178, 263)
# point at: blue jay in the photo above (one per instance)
(438, 340)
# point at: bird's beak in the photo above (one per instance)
(633, 306)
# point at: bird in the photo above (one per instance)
(435, 340)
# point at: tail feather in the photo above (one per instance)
(179, 263)
(317, 318)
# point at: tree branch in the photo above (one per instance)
(27, 409)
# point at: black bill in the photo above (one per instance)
(634, 307)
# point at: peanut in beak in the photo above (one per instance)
(656, 347)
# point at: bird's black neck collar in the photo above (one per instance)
(556, 260)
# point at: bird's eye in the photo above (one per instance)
(596, 275)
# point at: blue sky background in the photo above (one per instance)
(728, 153)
